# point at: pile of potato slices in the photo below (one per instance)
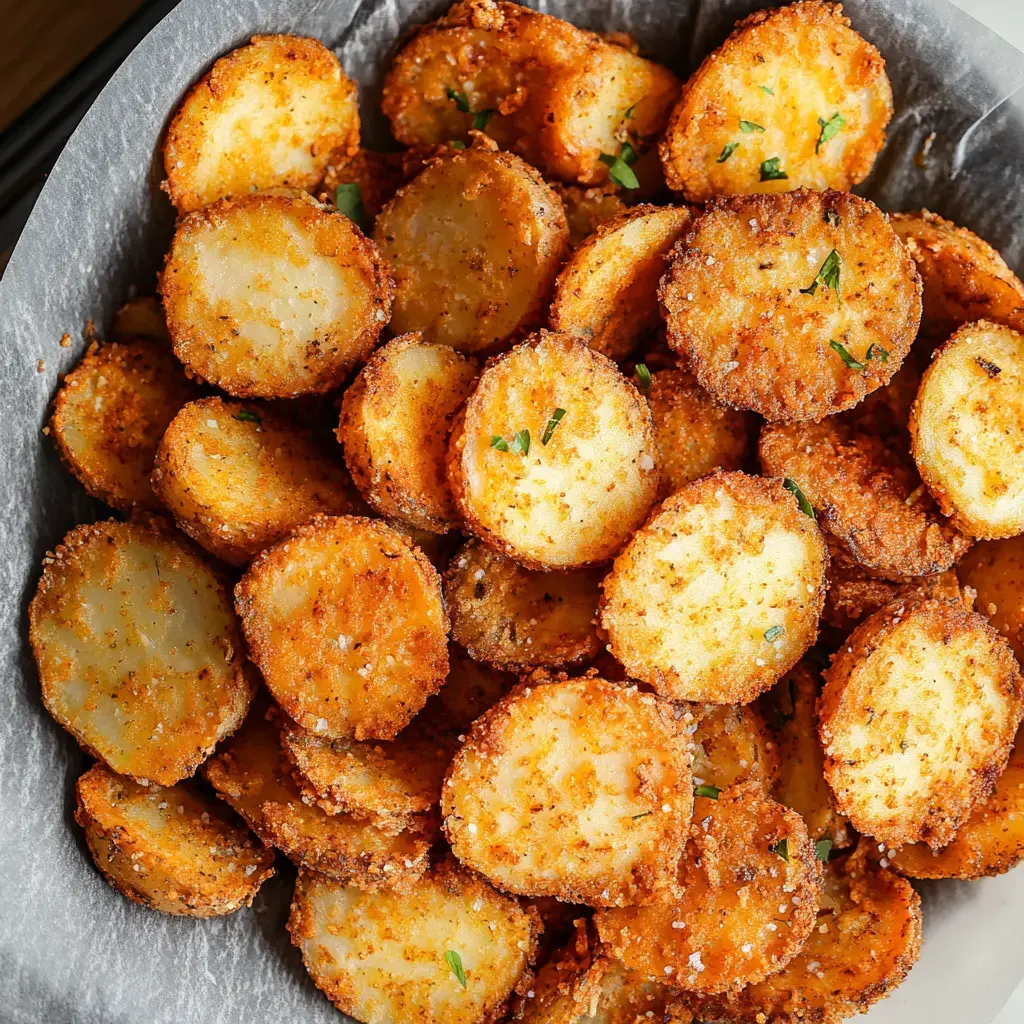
(587, 542)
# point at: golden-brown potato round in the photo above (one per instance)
(238, 477)
(110, 414)
(169, 848)
(378, 175)
(395, 421)
(397, 959)
(384, 782)
(142, 317)
(995, 569)
(470, 689)
(719, 594)
(515, 618)
(586, 209)
(867, 495)
(251, 773)
(732, 745)
(917, 718)
(270, 113)
(866, 938)
(793, 305)
(138, 649)
(967, 430)
(789, 708)
(272, 295)
(574, 500)
(474, 243)
(579, 789)
(607, 293)
(965, 279)
(695, 433)
(751, 884)
(346, 622)
(793, 98)
(990, 841)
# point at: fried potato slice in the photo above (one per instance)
(474, 242)
(917, 718)
(470, 689)
(777, 301)
(789, 708)
(554, 460)
(252, 774)
(270, 113)
(272, 295)
(395, 421)
(696, 434)
(110, 413)
(138, 650)
(346, 622)
(868, 497)
(967, 430)
(866, 939)
(579, 789)
(142, 317)
(450, 951)
(378, 175)
(607, 291)
(719, 594)
(965, 279)
(238, 478)
(995, 569)
(750, 889)
(732, 745)
(991, 840)
(384, 782)
(793, 98)
(169, 848)
(586, 209)
(515, 618)
(886, 411)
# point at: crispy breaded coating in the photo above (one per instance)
(732, 744)
(965, 279)
(554, 460)
(719, 593)
(346, 622)
(169, 848)
(607, 292)
(273, 295)
(967, 430)
(110, 413)
(579, 789)
(794, 305)
(449, 951)
(474, 242)
(995, 569)
(586, 209)
(750, 887)
(794, 98)
(917, 718)
(395, 421)
(866, 939)
(468, 691)
(517, 619)
(696, 434)
(239, 477)
(252, 774)
(138, 649)
(378, 175)
(789, 708)
(867, 495)
(269, 113)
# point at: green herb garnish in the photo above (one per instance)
(348, 198)
(876, 351)
(782, 849)
(520, 444)
(480, 119)
(457, 144)
(774, 633)
(767, 89)
(770, 170)
(629, 112)
(619, 167)
(750, 126)
(801, 499)
(851, 363)
(828, 275)
(829, 129)
(822, 849)
(711, 792)
(637, 817)
(497, 441)
(727, 151)
(779, 717)
(248, 416)
(556, 418)
(454, 961)
(461, 100)
(644, 376)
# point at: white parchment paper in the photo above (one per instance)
(71, 950)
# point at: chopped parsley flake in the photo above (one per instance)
(629, 112)
(711, 792)
(644, 376)
(348, 198)
(519, 445)
(851, 363)
(727, 151)
(767, 89)
(556, 418)
(875, 351)
(497, 441)
(774, 633)
(822, 850)
(457, 144)
(454, 961)
(248, 416)
(782, 849)
(637, 817)
(480, 119)
(460, 99)
(770, 170)
(829, 129)
(750, 126)
(828, 275)
(619, 167)
(801, 499)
